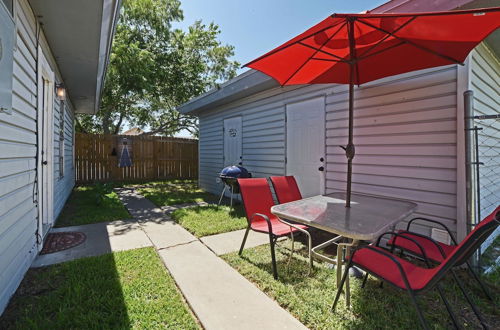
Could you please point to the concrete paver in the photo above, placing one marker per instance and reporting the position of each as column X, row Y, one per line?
column 221, row 297
column 102, row 238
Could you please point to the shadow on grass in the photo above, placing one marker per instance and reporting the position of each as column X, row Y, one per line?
column 309, row 298
column 84, row 294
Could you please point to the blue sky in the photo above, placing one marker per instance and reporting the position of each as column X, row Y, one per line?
column 257, row 26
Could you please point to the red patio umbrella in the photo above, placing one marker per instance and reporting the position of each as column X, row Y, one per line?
column 358, row 48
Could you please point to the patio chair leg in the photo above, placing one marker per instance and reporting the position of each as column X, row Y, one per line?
column 309, row 241
column 469, row 300
column 341, row 285
column 273, row 256
column 244, row 241
column 474, row 274
column 364, row 280
column 419, row 311
column 448, row 307
column 293, row 244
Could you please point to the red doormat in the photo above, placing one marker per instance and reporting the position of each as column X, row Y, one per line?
column 56, row 242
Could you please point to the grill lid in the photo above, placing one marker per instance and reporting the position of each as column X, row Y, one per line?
column 234, row 172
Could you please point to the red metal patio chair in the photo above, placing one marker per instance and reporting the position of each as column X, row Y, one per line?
column 402, row 274
column 258, row 200
column 436, row 251
column 286, row 189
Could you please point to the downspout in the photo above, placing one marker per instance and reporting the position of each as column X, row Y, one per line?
column 469, row 159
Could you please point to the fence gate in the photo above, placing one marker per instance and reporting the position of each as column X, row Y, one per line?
column 101, row 158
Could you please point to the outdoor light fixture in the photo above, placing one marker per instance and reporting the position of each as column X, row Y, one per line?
column 61, row 92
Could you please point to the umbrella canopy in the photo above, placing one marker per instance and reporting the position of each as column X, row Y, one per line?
column 357, row 48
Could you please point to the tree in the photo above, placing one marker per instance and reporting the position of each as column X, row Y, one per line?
column 154, row 68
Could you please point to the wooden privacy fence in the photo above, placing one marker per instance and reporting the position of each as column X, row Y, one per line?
column 97, row 158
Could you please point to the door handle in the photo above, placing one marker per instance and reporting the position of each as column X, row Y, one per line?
column 45, row 162
column 321, row 169
column 240, row 163
column 321, row 159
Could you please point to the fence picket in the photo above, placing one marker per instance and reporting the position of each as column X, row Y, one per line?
column 153, row 157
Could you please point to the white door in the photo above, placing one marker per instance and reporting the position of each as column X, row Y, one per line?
column 232, row 141
column 305, row 145
column 45, row 143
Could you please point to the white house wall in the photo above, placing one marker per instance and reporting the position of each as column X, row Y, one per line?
column 405, row 135
column 18, row 214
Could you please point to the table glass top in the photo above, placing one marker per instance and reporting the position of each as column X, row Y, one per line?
column 366, row 219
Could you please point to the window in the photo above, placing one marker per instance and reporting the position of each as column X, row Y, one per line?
column 8, row 4
column 61, row 139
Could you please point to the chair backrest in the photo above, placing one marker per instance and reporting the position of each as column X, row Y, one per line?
column 469, row 245
column 286, row 189
column 257, row 197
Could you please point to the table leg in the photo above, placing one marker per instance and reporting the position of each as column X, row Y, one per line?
column 340, row 248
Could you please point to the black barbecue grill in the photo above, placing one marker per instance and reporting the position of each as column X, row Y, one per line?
column 229, row 176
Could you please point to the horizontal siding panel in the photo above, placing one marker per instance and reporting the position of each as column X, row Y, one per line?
column 399, row 171
column 8, row 132
column 16, row 150
column 397, row 160
column 397, row 182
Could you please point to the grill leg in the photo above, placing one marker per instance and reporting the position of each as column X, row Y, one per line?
column 222, row 195
column 231, row 196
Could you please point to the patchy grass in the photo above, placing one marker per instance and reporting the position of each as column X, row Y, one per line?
column 489, row 261
column 211, row 219
column 92, row 204
column 122, row 290
column 174, row 192
column 309, row 298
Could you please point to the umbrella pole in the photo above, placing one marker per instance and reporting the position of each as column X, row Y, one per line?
column 349, row 150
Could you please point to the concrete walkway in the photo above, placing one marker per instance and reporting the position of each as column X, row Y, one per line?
column 220, row 297
column 102, row 238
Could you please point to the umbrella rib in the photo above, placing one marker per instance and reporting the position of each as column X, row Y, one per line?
column 387, row 36
column 381, row 51
column 317, row 50
column 327, row 60
column 296, row 42
column 323, row 51
column 414, row 44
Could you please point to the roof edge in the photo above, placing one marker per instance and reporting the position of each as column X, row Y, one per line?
column 243, row 85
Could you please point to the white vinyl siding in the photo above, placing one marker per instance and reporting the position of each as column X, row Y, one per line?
column 405, row 136
column 18, row 214
column 485, row 84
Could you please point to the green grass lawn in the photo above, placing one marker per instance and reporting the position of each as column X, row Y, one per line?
column 309, row 299
column 122, row 290
column 175, row 192
column 92, row 204
column 211, row 219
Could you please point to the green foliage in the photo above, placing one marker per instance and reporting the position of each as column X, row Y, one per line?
column 123, row 290
column 92, row 204
column 210, row 220
column 154, row 68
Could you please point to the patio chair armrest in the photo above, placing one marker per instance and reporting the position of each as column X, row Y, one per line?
column 396, row 235
column 390, row 257
column 263, row 216
column 430, row 239
column 418, row 219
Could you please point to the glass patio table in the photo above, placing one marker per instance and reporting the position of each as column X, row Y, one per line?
column 368, row 217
